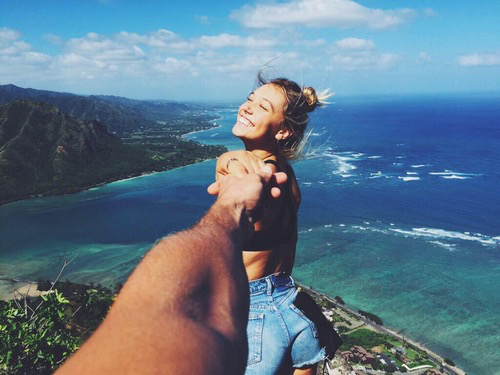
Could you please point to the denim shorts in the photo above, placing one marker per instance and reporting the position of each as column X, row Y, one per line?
column 279, row 335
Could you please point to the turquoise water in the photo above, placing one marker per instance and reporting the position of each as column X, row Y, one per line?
column 399, row 217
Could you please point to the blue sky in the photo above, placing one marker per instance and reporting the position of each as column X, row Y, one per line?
column 193, row 50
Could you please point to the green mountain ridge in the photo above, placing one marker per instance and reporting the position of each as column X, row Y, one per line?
column 46, row 151
column 121, row 116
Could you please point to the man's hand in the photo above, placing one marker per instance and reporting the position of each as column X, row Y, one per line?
column 244, row 192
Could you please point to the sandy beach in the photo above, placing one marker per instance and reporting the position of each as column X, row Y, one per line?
column 10, row 289
column 204, row 130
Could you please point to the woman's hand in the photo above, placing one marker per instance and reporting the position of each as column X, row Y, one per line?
column 238, row 163
column 276, row 179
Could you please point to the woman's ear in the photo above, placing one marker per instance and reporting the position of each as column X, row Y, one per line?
column 283, row 133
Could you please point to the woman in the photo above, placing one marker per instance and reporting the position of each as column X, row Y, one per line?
column 271, row 124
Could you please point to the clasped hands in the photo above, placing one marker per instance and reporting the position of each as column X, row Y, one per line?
column 245, row 179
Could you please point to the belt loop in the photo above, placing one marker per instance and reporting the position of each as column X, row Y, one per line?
column 269, row 285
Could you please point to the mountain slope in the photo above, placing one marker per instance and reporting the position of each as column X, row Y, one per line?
column 45, row 151
column 116, row 117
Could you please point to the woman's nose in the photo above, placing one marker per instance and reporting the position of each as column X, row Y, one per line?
column 247, row 108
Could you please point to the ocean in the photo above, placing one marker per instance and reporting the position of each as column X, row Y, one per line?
column 399, row 217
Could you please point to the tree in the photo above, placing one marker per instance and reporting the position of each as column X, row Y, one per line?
column 449, row 361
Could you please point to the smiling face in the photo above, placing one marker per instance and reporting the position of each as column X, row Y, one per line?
column 259, row 122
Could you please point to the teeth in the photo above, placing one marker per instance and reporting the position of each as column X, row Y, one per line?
column 243, row 121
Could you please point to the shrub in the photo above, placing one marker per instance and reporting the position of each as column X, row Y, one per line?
column 38, row 342
column 37, row 337
column 363, row 337
column 372, row 317
column 449, row 361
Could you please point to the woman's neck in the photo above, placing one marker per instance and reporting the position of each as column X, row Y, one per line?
column 263, row 152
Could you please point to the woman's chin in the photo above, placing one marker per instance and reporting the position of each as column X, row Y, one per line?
column 239, row 131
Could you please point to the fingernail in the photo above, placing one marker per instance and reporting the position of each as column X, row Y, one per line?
column 267, row 169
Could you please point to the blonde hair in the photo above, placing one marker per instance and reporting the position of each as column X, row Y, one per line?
column 300, row 101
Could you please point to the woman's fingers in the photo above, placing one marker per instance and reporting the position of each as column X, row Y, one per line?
column 238, row 163
column 238, row 169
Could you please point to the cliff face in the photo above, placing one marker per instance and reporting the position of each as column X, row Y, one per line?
column 40, row 139
column 44, row 149
column 52, row 143
column 117, row 118
column 120, row 115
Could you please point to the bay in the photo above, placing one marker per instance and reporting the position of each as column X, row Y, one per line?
column 399, row 217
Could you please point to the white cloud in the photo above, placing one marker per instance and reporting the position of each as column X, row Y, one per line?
column 19, row 59
column 320, row 13
column 159, row 57
column 359, row 54
column 314, row 43
column 172, row 65
column 364, row 61
column 229, row 40
column 98, row 63
column 104, row 49
column 10, row 43
column 478, row 59
column 250, row 62
column 7, row 35
column 355, row 43
column 162, row 40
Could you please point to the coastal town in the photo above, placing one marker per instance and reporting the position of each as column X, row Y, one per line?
column 368, row 347
column 371, row 348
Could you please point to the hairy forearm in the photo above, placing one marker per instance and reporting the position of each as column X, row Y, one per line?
column 190, row 286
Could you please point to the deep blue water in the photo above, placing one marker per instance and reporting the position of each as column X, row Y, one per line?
column 400, row 216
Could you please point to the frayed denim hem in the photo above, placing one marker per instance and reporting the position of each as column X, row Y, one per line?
column 316, row 359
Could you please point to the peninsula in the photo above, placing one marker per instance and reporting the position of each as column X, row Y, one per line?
column 56, row 143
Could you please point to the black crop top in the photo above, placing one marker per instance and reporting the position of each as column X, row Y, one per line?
column 278, row 232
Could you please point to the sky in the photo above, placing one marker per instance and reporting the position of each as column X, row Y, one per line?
column 211, row 51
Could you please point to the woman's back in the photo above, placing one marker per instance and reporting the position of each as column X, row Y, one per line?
column 271, row 249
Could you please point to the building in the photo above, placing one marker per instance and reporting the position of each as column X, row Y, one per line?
column 399, row 350
column 434, row 371
column 389, row 364
column 358, row 354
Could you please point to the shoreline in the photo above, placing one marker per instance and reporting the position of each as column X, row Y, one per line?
column 13, row 288
column 101, row 184
column 204, row 130
column 435, row 357
column 118, row 179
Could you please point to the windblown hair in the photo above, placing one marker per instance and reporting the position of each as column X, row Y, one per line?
column 300, row 101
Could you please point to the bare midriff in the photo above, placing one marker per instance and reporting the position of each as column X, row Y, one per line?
column 259, row 264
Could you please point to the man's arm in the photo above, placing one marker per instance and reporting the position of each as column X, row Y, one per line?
column 185, row 308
